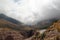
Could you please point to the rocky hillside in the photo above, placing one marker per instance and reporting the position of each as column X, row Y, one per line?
column 7, row 24
column 2, row 16
column 10, row 34
column 10, row 27
column 53, row 32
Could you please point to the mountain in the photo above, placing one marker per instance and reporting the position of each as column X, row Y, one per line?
column 45, row 23
column 2, row 16
column 53, row 32
column 39, row 25
column 7, row 24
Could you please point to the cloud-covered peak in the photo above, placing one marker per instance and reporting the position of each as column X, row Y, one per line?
column 30, row 11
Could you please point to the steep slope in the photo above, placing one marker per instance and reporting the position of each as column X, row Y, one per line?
column 2, row 16
column 10, row 25
column 5, row 23
column 53, row 32
column 45, row 23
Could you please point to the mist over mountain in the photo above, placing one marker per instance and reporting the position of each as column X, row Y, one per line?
column 2, row 16
column 30, row 11
column 45, row 23
column 40, row 25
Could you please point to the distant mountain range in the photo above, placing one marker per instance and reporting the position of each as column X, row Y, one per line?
column 12, row 23
column 2, row 16
column 46, row 23
column 40, row 25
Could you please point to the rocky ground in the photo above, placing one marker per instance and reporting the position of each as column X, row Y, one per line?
column 51, row 33
column 11, row 30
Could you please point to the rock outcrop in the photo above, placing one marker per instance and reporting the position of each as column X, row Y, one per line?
column 53, row 32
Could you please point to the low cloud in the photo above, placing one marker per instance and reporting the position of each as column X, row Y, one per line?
column 30, row 11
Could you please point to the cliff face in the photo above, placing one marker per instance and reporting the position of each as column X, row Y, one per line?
column 53, row 33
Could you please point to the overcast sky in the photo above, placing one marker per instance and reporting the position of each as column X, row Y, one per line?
column 30, row 11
